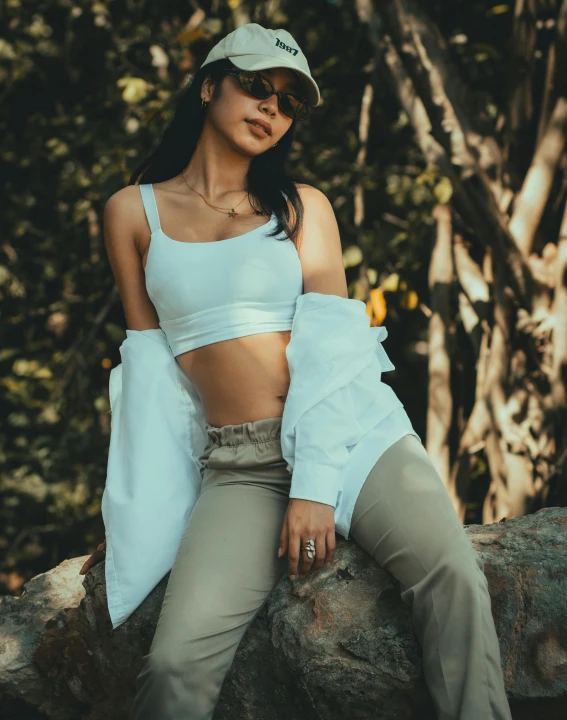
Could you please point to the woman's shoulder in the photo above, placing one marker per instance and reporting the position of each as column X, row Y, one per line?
column 125, row 208
column 313, row 198
column 304, row 187
column 309, row 192
column 124, row 217
column 126, row 197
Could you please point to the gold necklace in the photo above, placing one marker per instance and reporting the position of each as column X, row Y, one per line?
column 231, row 213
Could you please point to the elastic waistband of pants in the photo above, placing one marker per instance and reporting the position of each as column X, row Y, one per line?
column 263, row 430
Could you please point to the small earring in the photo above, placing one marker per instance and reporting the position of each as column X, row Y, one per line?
column 203, row 103
column 274, row 145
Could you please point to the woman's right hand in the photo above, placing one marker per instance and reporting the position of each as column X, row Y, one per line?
column 95, row 558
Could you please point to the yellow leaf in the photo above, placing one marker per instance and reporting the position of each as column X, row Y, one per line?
column 378, row 302
column 135, row 89
column 190, row 36
column 498, row 10
column 101, row 404
column 428, row 176
column 443, row 190
column 212, row 25
column 391, row 283
column 352, row 256
column 43, row 373
column 409, row 300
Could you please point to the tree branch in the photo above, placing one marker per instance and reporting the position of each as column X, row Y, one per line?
column 415, row 54
column 555, row 83
column 559, row 336
column 520, row 102
column 532, row 199
column 440, row 405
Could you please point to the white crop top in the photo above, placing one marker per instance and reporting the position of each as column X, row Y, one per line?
column 205, row 292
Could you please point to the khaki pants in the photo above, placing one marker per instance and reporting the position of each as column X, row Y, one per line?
column 227, row 565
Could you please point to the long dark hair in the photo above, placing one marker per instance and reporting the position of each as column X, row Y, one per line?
column 268, row 180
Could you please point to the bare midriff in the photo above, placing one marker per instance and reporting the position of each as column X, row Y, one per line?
column 240, row 380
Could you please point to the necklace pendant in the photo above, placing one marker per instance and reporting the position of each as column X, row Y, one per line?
column 231, row 213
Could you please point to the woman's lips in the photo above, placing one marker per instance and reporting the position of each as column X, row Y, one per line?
column 260, row 132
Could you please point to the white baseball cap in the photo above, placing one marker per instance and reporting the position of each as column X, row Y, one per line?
column 253, row 47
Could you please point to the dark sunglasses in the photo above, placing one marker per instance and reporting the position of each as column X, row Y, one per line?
column 260, row 87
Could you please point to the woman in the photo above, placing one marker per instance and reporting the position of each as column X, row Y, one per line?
column 221, row 164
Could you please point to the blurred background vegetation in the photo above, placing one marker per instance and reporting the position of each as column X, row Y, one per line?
column 84, row 89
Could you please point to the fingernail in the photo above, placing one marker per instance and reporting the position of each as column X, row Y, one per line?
column 292, row 578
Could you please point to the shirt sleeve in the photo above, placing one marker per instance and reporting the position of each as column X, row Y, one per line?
column 334, row 354
column 322, row 436
column 326, row 432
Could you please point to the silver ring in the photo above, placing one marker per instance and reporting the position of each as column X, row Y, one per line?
column 309, row 548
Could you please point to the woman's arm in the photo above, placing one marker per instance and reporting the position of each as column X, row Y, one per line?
column 124, row 222
column 94, row 559
column 323, row 270
column 320, row 248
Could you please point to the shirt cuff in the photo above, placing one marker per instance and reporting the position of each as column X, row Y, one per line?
column 315, row 481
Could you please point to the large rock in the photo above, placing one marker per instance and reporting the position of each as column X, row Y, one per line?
column 336, row 644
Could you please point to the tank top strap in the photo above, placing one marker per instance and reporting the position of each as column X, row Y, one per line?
column 150, row 206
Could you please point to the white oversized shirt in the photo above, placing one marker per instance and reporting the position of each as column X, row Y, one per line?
column 338, row 419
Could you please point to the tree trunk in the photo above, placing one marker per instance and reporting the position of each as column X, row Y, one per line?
column 514, row 309
column 440, row 405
